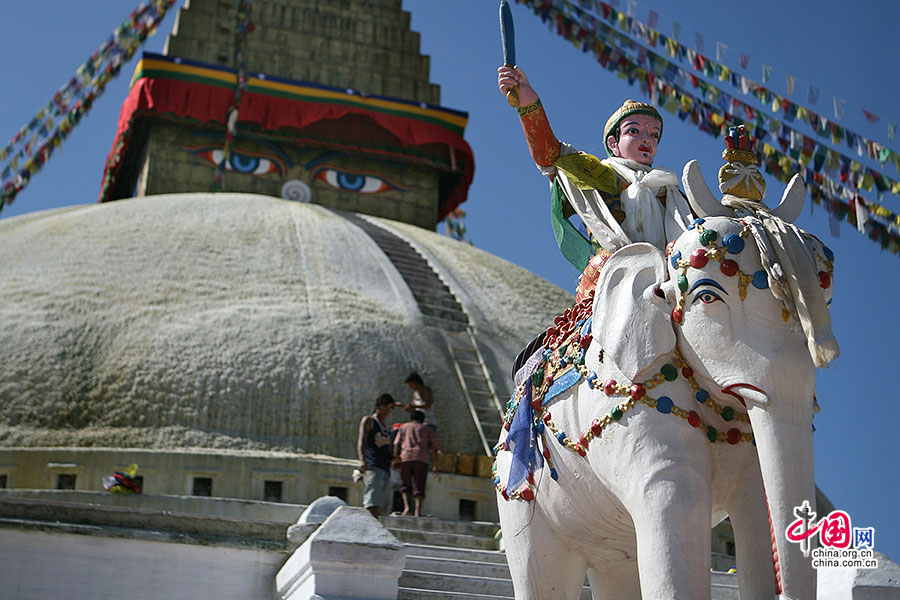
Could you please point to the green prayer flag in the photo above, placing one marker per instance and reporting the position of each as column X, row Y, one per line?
column 574, row 247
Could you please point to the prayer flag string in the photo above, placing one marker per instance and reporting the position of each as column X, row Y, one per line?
column 834, row 180
column 33, row 144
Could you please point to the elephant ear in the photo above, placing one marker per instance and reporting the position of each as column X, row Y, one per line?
column 631, row 318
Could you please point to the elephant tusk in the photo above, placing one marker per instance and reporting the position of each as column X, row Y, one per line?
column 748, row 393
column 792, row 200
column 698, row 194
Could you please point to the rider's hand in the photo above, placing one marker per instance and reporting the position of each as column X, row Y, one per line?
column 510, row 77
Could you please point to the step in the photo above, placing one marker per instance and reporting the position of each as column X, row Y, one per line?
column 488, row 529
column 437, row 538
column 476, row 528
column 466, row 554
column 453, row 566
column 404, row 593
column 469, row 584
column 481, row 588
column 445, row 325
column 725, row 586
column 446, row 302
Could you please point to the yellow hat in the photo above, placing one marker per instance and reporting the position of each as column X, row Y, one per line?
column 630, row 107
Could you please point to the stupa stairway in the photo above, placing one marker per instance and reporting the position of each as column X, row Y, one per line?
column 460, row 560
column 443, row 311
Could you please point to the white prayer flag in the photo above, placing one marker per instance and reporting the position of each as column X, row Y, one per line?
column 839, row 104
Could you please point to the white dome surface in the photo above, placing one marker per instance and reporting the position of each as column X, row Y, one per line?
column 235, row 321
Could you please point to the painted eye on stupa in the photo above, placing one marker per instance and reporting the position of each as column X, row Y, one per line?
column 247, row 162
column 350, row 181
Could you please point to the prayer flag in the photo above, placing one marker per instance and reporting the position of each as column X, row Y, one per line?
column 766, row 73
column 676, row 29
column 721, row 50
column 652, row 19
column 839, row 104
column 812, row 95
column 698, row 41
column 891, row 130
column 790, row 84
column 870, row 118
column 744, row 60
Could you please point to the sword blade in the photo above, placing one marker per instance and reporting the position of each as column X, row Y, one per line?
column 507, row 34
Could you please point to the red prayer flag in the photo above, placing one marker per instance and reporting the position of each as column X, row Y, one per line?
column 870, row 118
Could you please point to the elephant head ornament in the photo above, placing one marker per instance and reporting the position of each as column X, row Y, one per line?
column 693, row 400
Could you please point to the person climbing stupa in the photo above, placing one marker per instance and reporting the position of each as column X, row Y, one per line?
column 620, row 199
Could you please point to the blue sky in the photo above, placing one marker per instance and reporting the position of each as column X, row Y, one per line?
column 847, row 50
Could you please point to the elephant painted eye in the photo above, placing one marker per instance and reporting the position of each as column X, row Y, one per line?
column 348, row 181
column 706, row 297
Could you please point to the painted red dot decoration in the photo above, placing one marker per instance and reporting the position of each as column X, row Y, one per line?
column 687, row 372
column 698, row 258
column 824, row 280
column 638, row 391
column 733, row 436
column 596, row 427
column 729, row 268
column 609, row 387
column 694, row 419
column 527, row 494
column 677, row 315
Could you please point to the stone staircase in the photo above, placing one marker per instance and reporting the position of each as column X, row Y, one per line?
column 442, row 310
column 459, row 560
column 454, row 560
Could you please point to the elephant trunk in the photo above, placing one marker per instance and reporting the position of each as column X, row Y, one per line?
column 783, row 431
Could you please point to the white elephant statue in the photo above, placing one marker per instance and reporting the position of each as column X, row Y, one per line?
column 632, row 437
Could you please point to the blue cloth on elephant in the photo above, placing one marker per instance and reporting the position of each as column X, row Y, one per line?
column 522, row 442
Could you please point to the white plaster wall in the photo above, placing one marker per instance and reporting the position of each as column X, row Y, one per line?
column 36, row 565
column 232, row 321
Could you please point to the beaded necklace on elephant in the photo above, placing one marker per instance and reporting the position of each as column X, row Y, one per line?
column 568, row 342
column 732, row 244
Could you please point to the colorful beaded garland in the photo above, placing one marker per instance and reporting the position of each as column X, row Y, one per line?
column 569, row 352
column 731, row 244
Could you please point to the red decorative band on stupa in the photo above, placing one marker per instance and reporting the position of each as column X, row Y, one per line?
column 301, row 112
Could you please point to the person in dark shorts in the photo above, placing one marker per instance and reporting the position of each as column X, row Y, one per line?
column 373, row 449
column 414, row 445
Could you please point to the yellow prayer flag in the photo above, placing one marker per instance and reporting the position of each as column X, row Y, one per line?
column 868, row 182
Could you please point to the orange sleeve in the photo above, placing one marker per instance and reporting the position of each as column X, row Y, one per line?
column 542, row 144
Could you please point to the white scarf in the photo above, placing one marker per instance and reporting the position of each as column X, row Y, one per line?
column 646, row 220
column 790, row 264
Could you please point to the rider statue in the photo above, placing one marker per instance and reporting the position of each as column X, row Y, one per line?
column 620, row 199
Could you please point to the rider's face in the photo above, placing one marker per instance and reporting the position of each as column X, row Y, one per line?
column 638, row 138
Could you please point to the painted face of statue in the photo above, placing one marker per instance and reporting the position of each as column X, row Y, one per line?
column 638, row 138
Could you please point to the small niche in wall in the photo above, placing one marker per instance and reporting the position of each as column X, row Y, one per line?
column 338, row 491
column 202, row 486
column 65, row 481
column 272, row 491
column 466, row 509
column 4, row 480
